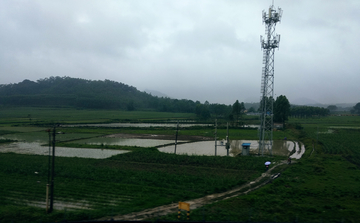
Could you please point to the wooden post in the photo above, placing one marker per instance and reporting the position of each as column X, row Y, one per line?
column 176, row 135
column 52, row 173
column 215, row 135
column 47, row 198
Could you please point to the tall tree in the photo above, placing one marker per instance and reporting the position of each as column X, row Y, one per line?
column 357, row 108
column 281, row 109
column 238, row 110
column 332, row 107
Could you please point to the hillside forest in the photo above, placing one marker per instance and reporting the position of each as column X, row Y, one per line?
column 107, row 94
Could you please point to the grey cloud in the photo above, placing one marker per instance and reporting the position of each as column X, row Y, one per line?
column 199, row 50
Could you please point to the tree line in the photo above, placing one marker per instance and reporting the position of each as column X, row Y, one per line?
column 88, row 94
column 107, row 94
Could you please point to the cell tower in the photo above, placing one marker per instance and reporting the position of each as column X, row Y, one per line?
column 268, row 44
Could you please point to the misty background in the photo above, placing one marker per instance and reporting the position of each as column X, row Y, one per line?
column 199, row 50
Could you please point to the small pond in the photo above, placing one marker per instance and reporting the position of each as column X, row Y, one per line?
column 37, row 149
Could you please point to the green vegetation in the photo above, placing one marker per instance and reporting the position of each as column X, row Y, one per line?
column 320, row 187
column 281, row 109
column 316, row 189
column 122, row 184
column 47, row 116
column 67, row 92
column 308, row 111
column 356, row 109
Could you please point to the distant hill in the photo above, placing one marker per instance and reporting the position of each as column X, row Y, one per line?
column 88, row 94
column 80, row 93
column 72, row 92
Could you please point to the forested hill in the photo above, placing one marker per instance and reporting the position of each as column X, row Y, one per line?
column 80, row 93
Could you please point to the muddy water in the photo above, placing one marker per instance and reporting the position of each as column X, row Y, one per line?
column 299, row 151
column 139, row 125
column 280, row 147
column 126, row 142
column 37, row 149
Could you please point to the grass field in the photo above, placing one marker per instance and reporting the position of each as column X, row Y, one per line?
column 321, row 187
column 48, row 116
column 125, row 183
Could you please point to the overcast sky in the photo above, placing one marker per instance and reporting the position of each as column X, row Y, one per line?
column 187, row 49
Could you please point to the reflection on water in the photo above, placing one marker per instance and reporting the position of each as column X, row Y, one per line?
column 37, row 149
column 126, row 142
column 280, row 147
column 140, row 125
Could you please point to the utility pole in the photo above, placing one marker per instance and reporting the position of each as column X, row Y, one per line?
column 227, row 139
column 48, row 181
column 176, row 135
column 52, row 173
column 215, row 135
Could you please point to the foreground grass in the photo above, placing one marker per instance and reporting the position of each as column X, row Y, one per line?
column 321, row 187
column 125, row 183
column 318, row 189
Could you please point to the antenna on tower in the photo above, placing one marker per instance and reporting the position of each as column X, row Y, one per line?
column 269, row 43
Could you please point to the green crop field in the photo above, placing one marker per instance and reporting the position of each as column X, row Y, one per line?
column 122, row 184
column 320, row 187
column 46, row 116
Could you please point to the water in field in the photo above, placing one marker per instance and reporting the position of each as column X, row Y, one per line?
column 37, row 149
column 140, row 125
column 126, row 142
column 280, row 147
column 299, row 151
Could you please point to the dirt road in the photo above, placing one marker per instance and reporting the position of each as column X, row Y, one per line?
column 199, row 202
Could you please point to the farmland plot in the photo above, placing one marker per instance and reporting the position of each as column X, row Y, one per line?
column 121, row 184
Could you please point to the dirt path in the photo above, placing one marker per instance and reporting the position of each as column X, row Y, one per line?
column 199, row 202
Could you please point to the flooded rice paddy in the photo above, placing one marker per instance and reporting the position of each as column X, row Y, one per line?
column 125, row 142
column 207, row 148
column 140, row 125
column 35, row 148
column 280, row 147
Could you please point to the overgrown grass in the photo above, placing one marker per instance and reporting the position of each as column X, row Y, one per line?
column 122, row 184
column 321, row 187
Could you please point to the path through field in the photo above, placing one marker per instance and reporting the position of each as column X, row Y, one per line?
column 199, row 202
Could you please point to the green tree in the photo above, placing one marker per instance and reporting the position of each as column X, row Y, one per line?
column 332, row 108
column 281, row 109
column 357, row 108
column 202, row 111
column 251, row 109
column 237, row 110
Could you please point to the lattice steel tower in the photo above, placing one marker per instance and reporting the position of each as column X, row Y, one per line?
column 268, row 44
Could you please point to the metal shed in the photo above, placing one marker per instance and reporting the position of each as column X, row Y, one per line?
column 245, row 149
